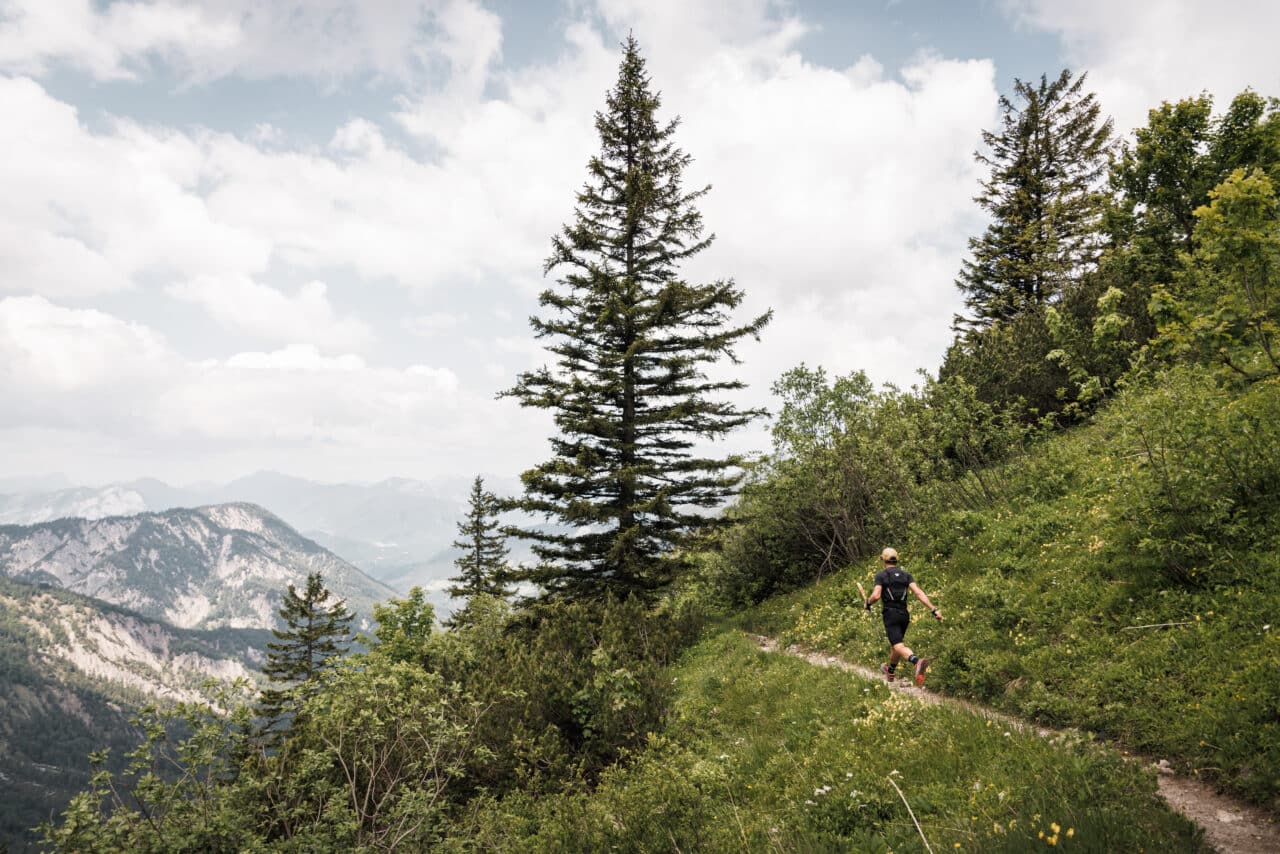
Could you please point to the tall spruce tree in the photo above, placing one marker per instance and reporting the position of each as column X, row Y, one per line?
column 314, row 637
column 632, row 341
column 482, row 567
column 1046, row 161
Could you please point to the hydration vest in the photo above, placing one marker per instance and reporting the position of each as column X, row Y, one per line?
column 897, row 583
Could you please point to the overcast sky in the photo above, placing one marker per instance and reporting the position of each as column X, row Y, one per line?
column 306, row 235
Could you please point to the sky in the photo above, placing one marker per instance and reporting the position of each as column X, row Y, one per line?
column 307, row 235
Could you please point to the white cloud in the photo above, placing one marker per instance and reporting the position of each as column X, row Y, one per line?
column 46, row 349
column 837, row 192
column 1139, row 54
column 432, row 323
column 238, row 302
column 116, row 382
column 209, row 39
column 842, row 199
column 84, row 213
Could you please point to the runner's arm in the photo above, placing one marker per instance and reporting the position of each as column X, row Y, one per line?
column 875, row 596
column 915, row 588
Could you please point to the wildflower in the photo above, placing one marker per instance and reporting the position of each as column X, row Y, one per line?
column 1053, row 825
column 1071, row 831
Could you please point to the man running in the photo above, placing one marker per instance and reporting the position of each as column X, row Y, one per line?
column 893, row 583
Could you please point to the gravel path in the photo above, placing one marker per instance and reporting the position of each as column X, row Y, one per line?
column 1230, row 826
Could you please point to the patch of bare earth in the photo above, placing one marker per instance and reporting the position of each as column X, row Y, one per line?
column 1230, row 826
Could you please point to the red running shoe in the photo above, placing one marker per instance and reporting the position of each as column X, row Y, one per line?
column 921, row 666
column 888, row 674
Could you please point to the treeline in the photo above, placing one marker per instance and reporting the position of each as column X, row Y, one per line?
column 1147, row 263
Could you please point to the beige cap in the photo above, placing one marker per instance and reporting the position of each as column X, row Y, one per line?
column 889, row 556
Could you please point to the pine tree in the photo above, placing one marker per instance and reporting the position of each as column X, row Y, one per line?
column 632, row 341
column 314, row 638
column 1046, row 164
column 482, row 568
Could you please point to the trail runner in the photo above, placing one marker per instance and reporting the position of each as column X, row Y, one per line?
column 892, row 584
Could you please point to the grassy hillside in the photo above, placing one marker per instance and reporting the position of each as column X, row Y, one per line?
column 1164, row 511
column 763, row 752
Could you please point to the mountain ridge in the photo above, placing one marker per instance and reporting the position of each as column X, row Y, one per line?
column 218, row 565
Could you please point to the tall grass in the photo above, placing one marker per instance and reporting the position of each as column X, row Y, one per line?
column 768, row 753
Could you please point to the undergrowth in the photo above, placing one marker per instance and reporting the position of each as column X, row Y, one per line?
column 1126, row 582
column 768, row 753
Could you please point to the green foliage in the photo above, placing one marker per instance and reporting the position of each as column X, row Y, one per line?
column 1009, row 364
column 149, row 808
column 767, row 753
column 1045, row 163
column 851, row 468
column 386, row 749
column 632, row 342
column 313, row 639
column 1204, row 471
column 1125, row 582
column 482, row 567
column 405, row 627
column 1226, row 307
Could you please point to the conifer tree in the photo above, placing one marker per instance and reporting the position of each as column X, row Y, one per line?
column 632, row 341
column 482, row 567
column 314, row 638
column 1046, row 163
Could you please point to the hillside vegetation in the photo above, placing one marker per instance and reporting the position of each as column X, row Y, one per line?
column 73, row 671
column 767, row 753
column 1123, row 578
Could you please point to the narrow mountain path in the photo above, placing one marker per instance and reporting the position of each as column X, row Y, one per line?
column 1230, row 826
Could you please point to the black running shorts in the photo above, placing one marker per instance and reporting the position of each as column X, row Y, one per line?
column 895, row 625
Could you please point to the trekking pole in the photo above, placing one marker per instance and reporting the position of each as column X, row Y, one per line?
column 864, row 595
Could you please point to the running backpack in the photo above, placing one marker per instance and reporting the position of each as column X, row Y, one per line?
column 901, row 598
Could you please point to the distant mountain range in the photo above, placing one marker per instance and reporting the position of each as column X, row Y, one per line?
column 73, row 672
column 223, row 565
column 398, row 531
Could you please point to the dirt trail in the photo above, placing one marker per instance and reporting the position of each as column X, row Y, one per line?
column 1230, row 826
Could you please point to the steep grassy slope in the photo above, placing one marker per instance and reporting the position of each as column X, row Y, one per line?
column 1056, row 594
column 767, row 753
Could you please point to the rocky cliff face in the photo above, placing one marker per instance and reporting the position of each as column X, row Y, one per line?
column 224, row 565
column 73, row 672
